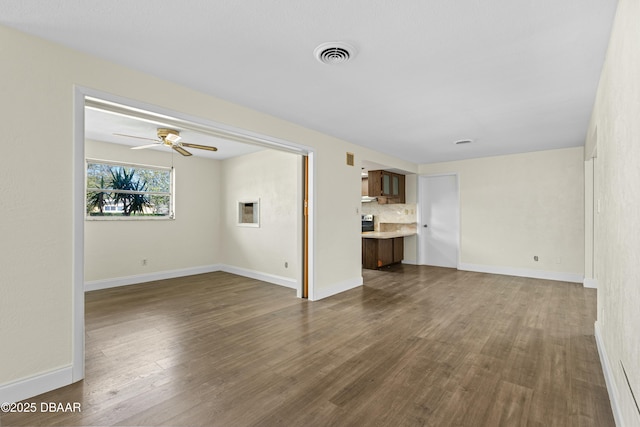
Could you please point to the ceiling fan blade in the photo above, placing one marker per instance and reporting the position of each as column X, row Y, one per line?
column 181, row 150
column 138, row 137
column 141, row 147
column 200, row 147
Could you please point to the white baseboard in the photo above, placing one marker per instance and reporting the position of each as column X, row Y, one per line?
column 265, row 277
column 94, row 285
column 28, row 387
column 590, row 283
column 410, row 261
column 170, row 274
column 336, row 288
column 522, row 272
column 608, row 377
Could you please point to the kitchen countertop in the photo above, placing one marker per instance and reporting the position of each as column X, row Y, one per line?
column 387, row 234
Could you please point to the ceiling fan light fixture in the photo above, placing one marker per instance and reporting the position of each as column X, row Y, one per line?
column 173, row 138
column 166, row 134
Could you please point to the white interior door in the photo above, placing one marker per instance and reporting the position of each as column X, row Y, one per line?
column 439, row 228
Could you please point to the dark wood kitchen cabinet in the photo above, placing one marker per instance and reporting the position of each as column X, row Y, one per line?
column 365, row 186
column 378, row 253
column 398, row 249
column 389, row 187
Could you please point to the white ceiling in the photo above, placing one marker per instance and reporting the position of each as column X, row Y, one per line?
column 514, row 76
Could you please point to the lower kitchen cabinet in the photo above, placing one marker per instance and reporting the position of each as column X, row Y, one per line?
column 378, row 253
column 398, row 249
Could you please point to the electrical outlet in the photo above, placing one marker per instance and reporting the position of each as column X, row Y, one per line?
column 144, row 261
column 286, row 264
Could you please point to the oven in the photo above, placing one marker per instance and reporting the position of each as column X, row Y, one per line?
column 367, row 223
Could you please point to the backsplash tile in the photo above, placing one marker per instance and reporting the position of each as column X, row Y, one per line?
column 393, row 213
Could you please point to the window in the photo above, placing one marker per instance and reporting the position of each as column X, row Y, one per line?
column 128, row 191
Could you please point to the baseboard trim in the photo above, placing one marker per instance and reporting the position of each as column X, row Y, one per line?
column 95, row 285
column 522, row 272
column 265, row 277
column 410, row 261
column 32, row 386
column 171, row 274
column 608, row 376
column 336, row 288
column 590, row 283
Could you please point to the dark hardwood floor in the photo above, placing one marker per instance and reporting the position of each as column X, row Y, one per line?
column 416, row 346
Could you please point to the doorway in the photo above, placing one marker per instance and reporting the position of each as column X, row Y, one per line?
column 592, row 209
column 123, row 106
column 439, row 231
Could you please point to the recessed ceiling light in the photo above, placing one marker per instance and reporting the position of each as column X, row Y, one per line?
column 463, row 141
column 333, row 53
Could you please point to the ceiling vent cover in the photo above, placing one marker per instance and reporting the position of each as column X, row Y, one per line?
column 334, row 53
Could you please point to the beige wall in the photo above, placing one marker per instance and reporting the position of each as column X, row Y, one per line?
column 615, row 130
column 274, row 178
column 517, row 206
column 115, row 249
column 36, row 265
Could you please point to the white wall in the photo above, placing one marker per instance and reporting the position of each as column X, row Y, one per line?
column 518, row 206
column 615, row 130
column 37, row 265
column 273, row 177
column 115, row 249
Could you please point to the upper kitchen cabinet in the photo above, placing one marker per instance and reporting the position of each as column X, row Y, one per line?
column 365, row 185
column 389, row 187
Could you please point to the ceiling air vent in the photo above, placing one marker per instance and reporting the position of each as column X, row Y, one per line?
column 463, row 141
column 334, row 53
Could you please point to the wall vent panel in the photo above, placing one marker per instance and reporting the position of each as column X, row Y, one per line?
column 350, row 159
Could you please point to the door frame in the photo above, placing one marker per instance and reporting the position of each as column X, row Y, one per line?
column 421, row 235
column 591, row 197
column 78, row 176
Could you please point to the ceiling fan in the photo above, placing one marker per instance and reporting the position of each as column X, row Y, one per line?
column 170, row 138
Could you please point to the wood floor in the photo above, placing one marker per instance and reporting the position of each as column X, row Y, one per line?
column 416, row 346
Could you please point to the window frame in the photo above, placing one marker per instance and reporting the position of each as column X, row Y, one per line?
column 171, row 193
